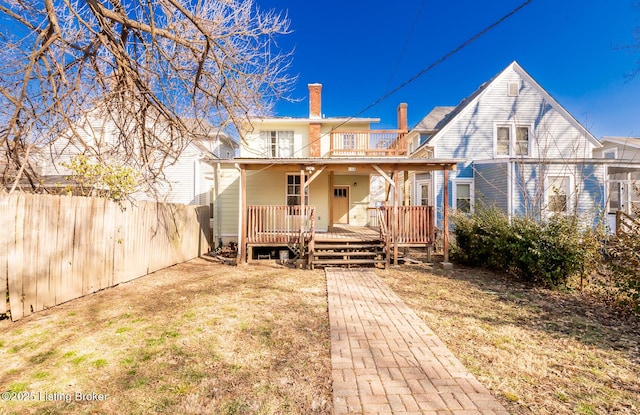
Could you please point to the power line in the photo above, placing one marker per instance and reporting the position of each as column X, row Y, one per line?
column 439, row 61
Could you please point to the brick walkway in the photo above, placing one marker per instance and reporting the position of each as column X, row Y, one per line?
column 385, row 360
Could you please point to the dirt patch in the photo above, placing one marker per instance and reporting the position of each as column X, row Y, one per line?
column 196, row 338
column 539, row 351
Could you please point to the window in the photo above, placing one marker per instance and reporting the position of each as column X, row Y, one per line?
column 513, row 89
column 349, row 141
column 611, row 154
column 463, row 196
column 503, row 141
column 340, row 192
column 425, row 198
column 522, row 141
column 507, row 146
column 293, row 190
column 614, row 196
column 278, row 143
column 558, row 194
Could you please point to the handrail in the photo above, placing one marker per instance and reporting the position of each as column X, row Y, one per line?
column 626, row 224
column 416, row 223
column 280, row 224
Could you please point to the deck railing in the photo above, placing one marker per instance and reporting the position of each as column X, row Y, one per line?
column 368, row 143
column 415, row 224
column 280, row 224
column 626, row 224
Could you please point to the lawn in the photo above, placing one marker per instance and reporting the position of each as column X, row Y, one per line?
column 205, row 338
column 196, row 338
column 539, row 351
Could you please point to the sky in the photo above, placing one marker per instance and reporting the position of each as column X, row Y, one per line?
column 362, row 50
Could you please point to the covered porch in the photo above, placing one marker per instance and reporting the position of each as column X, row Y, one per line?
column 389, row 227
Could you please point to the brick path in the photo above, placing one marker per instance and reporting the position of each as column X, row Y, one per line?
column 385, row 360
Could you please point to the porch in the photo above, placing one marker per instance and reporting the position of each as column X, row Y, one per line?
column 273, row 228
column 315, row 185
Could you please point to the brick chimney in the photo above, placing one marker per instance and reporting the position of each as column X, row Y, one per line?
column 402, row 117
column 315, row 112
column 315, row 100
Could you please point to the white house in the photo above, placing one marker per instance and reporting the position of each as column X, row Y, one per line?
column 523, row 151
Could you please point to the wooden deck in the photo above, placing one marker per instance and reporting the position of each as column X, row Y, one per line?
column 346, row 233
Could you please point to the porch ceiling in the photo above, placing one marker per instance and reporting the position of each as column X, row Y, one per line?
column 350, row 165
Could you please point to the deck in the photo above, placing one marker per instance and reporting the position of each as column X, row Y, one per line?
column 347, row 233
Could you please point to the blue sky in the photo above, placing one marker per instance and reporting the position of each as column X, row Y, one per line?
column 360, row 50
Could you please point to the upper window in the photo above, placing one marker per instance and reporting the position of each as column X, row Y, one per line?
column 512, row 140
column 611, row 154
column 278, row 143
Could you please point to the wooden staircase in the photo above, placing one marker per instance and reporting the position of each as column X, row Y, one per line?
column 347, row 254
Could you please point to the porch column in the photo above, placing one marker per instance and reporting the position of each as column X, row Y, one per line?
column 242, row 236
column 396, row 196
column 445, row 220
column 331, row 182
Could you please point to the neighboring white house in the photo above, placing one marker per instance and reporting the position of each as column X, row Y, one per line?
column 186, row 179
column 622, row 156
column 523, row 151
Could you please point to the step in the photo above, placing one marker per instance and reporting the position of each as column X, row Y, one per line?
column 319, row 246
column 345, row 254
column 347, row 261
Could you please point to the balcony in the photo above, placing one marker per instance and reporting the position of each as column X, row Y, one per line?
column 368, row 143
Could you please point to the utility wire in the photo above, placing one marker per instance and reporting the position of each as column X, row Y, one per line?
column 428, row 68
column 434, row 64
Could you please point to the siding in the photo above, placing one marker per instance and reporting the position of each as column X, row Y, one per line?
column 471, row 134
column 227, row 202
column 491, row 184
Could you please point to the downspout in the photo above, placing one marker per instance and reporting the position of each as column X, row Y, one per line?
column 216, row 185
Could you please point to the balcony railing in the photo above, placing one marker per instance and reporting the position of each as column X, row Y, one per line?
column 368, row 143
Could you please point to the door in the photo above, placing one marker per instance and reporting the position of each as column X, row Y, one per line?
column 340, row 204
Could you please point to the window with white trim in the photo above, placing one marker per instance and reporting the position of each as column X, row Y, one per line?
column 512, row 140
column 294, row 191
column 610, row 154
column 278, row 143
column 558, row 194
column 463, row 197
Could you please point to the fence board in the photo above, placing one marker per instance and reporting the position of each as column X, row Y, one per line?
column 8, row 225
column 66, row 228
column 15, row 261
column 30, row 242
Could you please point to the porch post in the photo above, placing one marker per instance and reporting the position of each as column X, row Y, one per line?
column 445, row 220
column 331, row 182
column 241, row 256
column 396, row 196
column 303, row 186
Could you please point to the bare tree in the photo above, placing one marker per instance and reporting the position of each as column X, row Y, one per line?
column 141, row 66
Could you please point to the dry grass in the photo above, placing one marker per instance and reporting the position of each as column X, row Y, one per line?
column 197, row 338
column 540, row 352
column 202, row 338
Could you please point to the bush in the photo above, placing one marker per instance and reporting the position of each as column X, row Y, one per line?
column 546, row 252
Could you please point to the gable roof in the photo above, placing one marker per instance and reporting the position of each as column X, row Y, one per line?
column 435, row 119
column 633, row 142
column 478, row 93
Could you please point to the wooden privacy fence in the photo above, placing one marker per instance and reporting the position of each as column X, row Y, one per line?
column 57, row 248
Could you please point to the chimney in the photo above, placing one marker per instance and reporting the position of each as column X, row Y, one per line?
column 315, row 100
column 402, row 117
column 315, row 113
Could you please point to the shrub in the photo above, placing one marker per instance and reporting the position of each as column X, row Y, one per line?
column 544, row 252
